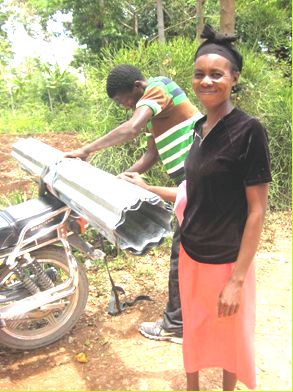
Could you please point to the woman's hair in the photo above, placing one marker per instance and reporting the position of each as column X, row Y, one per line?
column 121, row 79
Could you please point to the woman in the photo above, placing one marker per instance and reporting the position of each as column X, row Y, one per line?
column 227, row 175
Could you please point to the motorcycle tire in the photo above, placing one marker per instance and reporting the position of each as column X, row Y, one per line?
column 40, row 328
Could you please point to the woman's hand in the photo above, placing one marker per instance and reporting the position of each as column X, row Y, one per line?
column 230, row 299
column 133, row 178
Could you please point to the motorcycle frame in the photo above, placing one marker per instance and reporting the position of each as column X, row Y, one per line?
column 53, row 294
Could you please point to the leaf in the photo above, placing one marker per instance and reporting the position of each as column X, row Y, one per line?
column 81, row 358
column 87, row 342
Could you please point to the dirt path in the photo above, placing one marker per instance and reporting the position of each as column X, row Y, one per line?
column 119, row 358
column 11, row 178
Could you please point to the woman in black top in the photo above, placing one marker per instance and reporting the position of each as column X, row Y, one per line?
column 227, row 175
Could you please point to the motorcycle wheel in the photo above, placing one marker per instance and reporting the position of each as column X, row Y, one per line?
column 42, row 327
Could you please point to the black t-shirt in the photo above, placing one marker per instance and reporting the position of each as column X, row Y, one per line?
column 232, row 156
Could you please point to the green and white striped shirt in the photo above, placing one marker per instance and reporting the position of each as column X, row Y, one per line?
column 172, row 123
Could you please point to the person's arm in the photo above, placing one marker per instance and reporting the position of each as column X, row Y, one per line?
column 123, row 133
column 230, row 297
column 166, row 193
column 148, row 160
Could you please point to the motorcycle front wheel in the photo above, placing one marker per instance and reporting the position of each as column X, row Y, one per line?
column 51, row 322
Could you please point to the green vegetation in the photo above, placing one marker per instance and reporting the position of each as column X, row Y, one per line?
column 17, row 197
column 38, row 97
column 51, row 101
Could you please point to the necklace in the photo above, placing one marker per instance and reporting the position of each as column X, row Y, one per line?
column 203, row 138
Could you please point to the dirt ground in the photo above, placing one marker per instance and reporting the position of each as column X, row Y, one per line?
column 119, row 358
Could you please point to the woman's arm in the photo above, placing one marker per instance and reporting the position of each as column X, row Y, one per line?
column 230, row 297
column 166, row 193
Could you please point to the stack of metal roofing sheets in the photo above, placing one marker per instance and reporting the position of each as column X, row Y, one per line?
column 130, row 217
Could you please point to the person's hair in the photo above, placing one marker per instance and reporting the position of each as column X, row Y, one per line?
column 121, row 79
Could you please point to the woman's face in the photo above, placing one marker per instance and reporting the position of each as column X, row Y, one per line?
column 213, row 80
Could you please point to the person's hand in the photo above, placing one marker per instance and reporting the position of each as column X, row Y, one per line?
column 133, row 178
column 229, row 299
column 79, row 153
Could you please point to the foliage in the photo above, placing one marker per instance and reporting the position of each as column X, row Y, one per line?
column 211, row 11
column 16, row 197
column 266, row 95
column 86, row 108
column 4, row 16
column 265, row 25
column 97, row 24
column 38, row 97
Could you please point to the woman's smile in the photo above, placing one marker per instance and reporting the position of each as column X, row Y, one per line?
column 213, row 80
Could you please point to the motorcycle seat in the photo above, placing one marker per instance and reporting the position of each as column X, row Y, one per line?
column 15, row 218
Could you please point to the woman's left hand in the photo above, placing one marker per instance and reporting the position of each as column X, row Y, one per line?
column 230, row 299
column 133, row 178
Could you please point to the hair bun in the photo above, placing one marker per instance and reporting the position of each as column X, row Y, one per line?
column 213, row 36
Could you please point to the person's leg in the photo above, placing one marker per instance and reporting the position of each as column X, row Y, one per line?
column 192, row 381
column 229, row 381
column 172, row 321
column 171, row 327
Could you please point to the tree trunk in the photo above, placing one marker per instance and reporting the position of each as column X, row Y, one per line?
column 160, row 17
column 50, row 100
column 9, row 91
column 227, row 19
column 135, row 24
column 12, row 101
column 199, row 17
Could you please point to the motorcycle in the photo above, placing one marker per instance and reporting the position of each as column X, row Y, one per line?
column 43, row 288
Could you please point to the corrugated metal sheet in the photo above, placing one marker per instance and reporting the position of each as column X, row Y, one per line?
column 130, row 217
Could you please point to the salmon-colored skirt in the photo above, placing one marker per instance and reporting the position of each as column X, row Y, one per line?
column 209, row 341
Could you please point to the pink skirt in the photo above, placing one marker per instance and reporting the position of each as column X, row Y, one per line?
column 209, row 341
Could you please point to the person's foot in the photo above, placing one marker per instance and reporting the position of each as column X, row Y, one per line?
column 155, row 331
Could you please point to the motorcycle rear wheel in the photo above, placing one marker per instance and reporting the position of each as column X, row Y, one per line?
column 40, row 327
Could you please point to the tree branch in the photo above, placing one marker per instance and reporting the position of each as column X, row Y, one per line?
column 172, row 27
column 126, row 25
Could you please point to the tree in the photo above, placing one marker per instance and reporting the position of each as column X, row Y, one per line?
column 199, row 16
column 160, row 17
column 94, row 23
column 264, row 24
column 56, row 85
column 102, row 22
column 227, row 19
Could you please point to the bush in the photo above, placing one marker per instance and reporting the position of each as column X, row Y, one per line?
column 265, row 94
column 265, row 25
